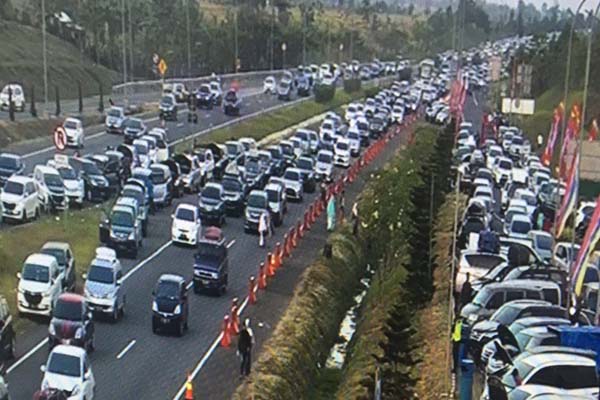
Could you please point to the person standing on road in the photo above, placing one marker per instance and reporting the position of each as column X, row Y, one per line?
column 466, row 292
column 331, row 211
column 342, row 206
column 323, row 193
column 263, row 228
column 245, row 343
column 456, row 338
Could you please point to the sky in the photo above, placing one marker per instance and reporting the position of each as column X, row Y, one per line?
column 562, row 3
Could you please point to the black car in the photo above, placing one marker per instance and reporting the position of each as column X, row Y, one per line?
column 134, row 129
column 111, row 169
column 168, row 108
column 212, row 204
column 302, row 86
column 71, row 323
column 204, row 97
column 170, row 306
column 7, row 333
column 278, row 160
column 96, row 186
column 232, row 103
column 10, row 164
column 307, row 166
column 234, row 195
column 255, row 176
column 211, row 267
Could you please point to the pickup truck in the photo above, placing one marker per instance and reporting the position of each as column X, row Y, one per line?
column 211, row 263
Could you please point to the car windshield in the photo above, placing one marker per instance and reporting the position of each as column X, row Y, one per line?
column 14, row 188
column 67, row 173
column 121, row 218
column 291, row 175
column 505, row 315
column 134, row 123
column 517, row 140
column 341, row 146
column 482, row 297
column 275, row 153
column 304, row 164
column 327, row 126
column 287, row 149
column 167, row 100
column 64, row 364
column 167, row 290
column 231, row 185
column 531, row 200
column 59, row 254
column 231, row 96
column 252, row 167
column 70, row 124
column 214, row 86
column 69, row 310
column 284, row 85
column 273, row 195
column 204, row 89
column 114, row 113
column 90, row 168
column 504, row 164
column 158, row 177
column 11, row 163
column 523, row 338
column 353, row 135
column 100, row 274
column 53, row 180
column 36, row 273
column 324, row 158
column 520, row 227
column 544, row 242
column 185, row 214
column 141, row 149
column 257, row 201
column 232, row 149
column 495, row 152
column 211, row 192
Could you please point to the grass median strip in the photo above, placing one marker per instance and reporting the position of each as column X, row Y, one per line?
column 78, row 228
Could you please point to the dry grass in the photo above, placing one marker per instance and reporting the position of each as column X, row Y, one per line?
column 433, row 320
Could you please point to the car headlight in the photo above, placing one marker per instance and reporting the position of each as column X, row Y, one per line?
column 45, row 385
column 177, row 309
column 79, row 333
column 86, row 292
column 154, row 306
column 19, row 206
column 131, row 236
column 248, row 216
column 51, row 330
column 472, row 318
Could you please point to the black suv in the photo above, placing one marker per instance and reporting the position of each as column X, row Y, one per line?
column 71, row 323
column 232, row 103
column 97, row 186
column 170, row 306
column 307, row 166
column 212, row 205
column 234, row 194
column 204, row 97
column 7, row 333
column 211, row 266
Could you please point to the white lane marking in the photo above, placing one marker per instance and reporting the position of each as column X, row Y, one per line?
column 230, row 243
column 189, row 285
column 26, row 356
column 125, row 277
column 126, row 349
column 475, row 100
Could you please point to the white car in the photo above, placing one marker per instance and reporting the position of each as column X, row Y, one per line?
column 18, row 97
column 69, row 369
column 142, row 150
column 20, row 199
column 249, row 144
column 519, row 227
column 342, row 153
column 493, row 152
column 186, row 227
column 324, row 165
column 502, row 169
column 327, row 130
column 40, row 284
column 350, row 112
column 353, row 137
column 398, row 114
column 529, row 198
column 292, row 179
column 74, row 131
column 51, row 188
column 270, row 85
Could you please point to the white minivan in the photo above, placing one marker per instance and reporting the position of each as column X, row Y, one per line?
column 20, row 199
column 40, row 284
column 51, row 188
column 342, row 153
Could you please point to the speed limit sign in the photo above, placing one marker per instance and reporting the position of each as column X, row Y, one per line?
column 60, row 138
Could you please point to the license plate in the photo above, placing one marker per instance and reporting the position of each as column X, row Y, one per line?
column 205, row 282
column 165, row 320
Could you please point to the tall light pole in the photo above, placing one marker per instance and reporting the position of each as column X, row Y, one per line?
column 189, row 39
column 236, row 37
column 123, row 34
column 304, row 37
column 272, row 42
column 283, row 49
column 44, row 57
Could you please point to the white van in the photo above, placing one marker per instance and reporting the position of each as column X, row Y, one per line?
column 17, row 97
column 20, row 199
column 40, row 284
column 51, row 188
column 342, row 153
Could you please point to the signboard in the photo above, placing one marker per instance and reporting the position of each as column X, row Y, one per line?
column 495, row 68
column 518, row 106
column 61, row 160
column 162, row 67
column 524, row 73
column 60, row 138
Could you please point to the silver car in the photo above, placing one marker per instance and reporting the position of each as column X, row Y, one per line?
column 103, row 290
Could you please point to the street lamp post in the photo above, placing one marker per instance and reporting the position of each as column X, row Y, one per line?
column 235, row 65
column 283, row 49
column 44, row 57
column 123, row 37
column 341, row 53
column 189, row 39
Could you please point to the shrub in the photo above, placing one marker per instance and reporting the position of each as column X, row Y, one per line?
column 352, row 85
column 324, row 93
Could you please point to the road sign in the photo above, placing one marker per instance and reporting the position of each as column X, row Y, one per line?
column 162, row 67
column 518, row 106
column 60, row 138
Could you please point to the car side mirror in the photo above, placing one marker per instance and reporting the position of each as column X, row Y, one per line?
column 84, row 276
column 43, row 368
column 89, row 315
column 87, row 375
column 19, row 276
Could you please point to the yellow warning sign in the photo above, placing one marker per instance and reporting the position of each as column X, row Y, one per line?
column 162, row 67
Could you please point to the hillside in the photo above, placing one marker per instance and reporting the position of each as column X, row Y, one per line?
column 21, row 61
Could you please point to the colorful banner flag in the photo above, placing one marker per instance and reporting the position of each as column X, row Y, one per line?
column 592, row 235
column 593, row 132
column 567, row 204
column 569, row 144
column 554, row 127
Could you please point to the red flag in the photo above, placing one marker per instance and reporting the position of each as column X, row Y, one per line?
column 549, row 150
column 593, row 132
column 570, row 135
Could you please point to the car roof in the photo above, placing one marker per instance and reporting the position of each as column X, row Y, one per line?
column 214, row 185
column 71, row 298
column 273, row 186
column 56, row 245
column 41, row 259
column 522, row 284
column 122, row 207
column 69, row 350
column 297, row 170
column 71, row 119
column 171, row 278
column 20, row 179
column 525, row 303
column 553, row 358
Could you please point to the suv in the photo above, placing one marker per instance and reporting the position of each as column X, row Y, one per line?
column 122, row 230
column 40, row 284
column 211, row 263
column 51, row 188
column 20, row 199
column 234, row 195
column 294, row 186
column 103, row 290
column 168, row 108
column 170, row 306
column 211, row 205
column 277, row 202
column 135, row 128
column 10, row 164
column 7, row 333
column 115, row 120
column 232, row 103
column 306, row 165
column 66, row 262
column 257, row 204
column 71, row 323
column 205, row 97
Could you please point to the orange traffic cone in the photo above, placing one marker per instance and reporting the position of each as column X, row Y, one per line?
column 234, row 318
column 189, row 388
column 252, row 290
column 277, row 256
column 226, row 336
column 286, row 246
column 299, row 229
column 294, row 238
column 262, row 276
column 269, row 263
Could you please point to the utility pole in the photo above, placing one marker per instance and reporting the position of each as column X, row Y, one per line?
column 235, row 62
column 189, row 43
column 272, row 40
column 123, row 34
column 44, row 57
column 328, row 43
column 304, row 37
column 130, row 40
column 351, row 45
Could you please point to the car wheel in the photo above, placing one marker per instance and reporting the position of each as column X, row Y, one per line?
column 91, row 346
column 180, row 329
column 115, row 314
column 154, row 327
column 144, row 230
column 12, row 350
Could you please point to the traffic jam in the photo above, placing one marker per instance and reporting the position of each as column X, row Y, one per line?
column 189, row 207
column 517, row 329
